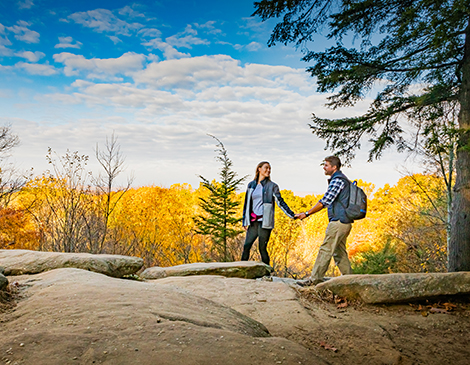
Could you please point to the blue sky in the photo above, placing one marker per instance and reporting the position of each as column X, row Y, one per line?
column 162, row 75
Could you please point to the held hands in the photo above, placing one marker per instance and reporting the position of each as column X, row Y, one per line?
column 300, row 216
column 317, row 207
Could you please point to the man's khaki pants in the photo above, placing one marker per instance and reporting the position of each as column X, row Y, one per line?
column 334, row 245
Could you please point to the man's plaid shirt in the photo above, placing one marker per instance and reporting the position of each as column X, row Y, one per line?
column 334, row 188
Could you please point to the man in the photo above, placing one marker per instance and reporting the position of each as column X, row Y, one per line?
column 336, row 199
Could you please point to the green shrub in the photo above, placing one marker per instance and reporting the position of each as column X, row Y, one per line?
column 383, row 261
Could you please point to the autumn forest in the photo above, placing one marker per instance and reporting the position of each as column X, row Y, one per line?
column 67, row 209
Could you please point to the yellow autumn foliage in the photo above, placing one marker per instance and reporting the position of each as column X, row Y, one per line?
column 157, row 224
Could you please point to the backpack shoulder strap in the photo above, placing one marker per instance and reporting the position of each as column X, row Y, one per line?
column 347, row 181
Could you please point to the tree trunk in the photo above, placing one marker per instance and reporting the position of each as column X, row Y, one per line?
column 449, row 195
column 459, row 245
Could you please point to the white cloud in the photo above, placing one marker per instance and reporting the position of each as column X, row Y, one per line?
column 179, row 84
column 114, row 39
column 25, row 4
column 254, row 25
column 4, row 42
column 260, row 112
column 5, row 68
column 150, row 32
column 209, row 24
column 4, row 51
column 23, row 33
column 186, row 39
column 100, row 68
column 164, row 156
column 208, row 27
column 207, row 71
column 68, row 42
column 235, row 46
column 204, row 87
column 152, row 57
column 254, row 46
column 103, row 20
column 189, row 72
column 30, row 56
column 125, row 96
column 128, row 11
column 169, row 52
column 37, row 69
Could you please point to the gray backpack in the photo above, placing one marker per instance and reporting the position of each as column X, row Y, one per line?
column 357, row 207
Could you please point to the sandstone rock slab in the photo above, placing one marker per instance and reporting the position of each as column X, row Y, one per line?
column 270, row 303
column 21, row 262
column 396, row 288
column 74, row 316
column 239, row 269
column 277, row 306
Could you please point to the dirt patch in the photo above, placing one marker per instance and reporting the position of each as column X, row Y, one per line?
column 428, row 332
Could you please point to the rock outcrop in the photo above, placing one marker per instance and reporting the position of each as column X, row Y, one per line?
column 395, row 288
column 274, row 304
column 74, row 316
column 239, row 269
column 70, row 314
column 21, row 262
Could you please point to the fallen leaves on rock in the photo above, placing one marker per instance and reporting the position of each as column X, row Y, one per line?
column 328, row 347
column 449, row 306
column 342, row 302
column 342, row 305
column 442, row 308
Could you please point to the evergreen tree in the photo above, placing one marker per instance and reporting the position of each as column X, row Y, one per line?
column 220, row 221
column 415, row 52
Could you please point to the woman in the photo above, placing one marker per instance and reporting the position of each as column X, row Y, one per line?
column 258, row 211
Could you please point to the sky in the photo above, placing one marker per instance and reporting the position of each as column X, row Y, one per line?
column 162, row 76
